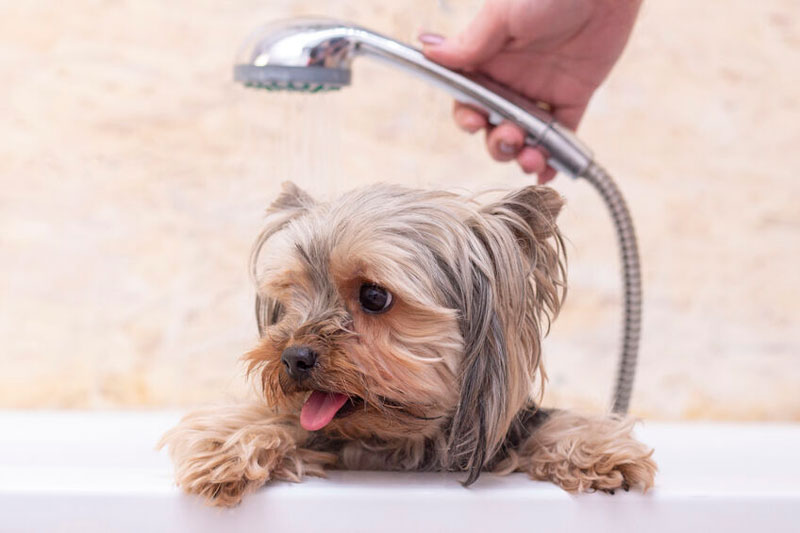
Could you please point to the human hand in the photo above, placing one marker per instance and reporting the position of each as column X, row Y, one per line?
column 555, row 52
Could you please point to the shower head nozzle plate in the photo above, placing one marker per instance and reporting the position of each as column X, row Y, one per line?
column 310, row 79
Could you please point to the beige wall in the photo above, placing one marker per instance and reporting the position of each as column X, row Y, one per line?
column 133, row 175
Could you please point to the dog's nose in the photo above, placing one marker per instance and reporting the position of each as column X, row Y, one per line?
column 299, row 360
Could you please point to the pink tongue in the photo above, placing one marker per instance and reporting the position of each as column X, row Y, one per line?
column 320, row 408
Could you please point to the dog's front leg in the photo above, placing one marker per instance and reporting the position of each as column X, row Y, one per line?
column 582, row 453
column 223, row 453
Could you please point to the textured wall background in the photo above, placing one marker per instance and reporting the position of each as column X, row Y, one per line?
column 134, row 173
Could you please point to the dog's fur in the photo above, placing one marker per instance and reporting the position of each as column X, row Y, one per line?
column 446, row 379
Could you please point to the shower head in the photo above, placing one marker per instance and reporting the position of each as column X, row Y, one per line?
column 305, row 55
column 314, row 55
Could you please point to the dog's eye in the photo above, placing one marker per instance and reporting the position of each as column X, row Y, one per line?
column 374, row 298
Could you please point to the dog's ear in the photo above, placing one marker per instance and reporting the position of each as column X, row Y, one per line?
column 290, row 204
column 535, row 206
column 530, row 214
column 515, row 279
column 291, row 198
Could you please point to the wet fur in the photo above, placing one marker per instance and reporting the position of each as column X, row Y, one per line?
column 447, row 379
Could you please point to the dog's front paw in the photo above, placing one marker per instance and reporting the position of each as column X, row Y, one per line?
column 224, row 453
column 584, row 454
column 613, row 473
column 604, row 472
column 222, row 475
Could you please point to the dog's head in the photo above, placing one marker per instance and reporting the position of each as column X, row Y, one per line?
column 393, row 313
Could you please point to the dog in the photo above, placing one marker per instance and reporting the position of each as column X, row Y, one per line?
column 401, row 329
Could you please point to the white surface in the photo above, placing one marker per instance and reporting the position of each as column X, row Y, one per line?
column 76, row 471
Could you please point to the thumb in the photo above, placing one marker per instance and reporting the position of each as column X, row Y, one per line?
column 483, row 39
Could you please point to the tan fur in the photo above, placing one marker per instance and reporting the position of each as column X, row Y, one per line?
column 443, row 380
column 580, row 453
column 223, row 453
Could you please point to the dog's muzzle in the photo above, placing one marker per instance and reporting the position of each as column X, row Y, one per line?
column 299, row 361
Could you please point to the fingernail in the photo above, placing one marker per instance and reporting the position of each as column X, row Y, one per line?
column 507, row 148
column 431, row 39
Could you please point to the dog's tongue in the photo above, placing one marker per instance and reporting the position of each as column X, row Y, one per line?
column 320, row 408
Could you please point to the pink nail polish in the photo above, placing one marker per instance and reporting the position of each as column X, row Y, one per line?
column 506, row 148
column 431, row 39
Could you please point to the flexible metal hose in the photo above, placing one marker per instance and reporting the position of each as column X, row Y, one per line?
column 631, row 278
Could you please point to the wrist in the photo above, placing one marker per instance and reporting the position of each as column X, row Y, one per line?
column 618, row 16
column 621, row 9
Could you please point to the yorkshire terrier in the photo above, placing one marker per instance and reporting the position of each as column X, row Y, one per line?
column 401, row 330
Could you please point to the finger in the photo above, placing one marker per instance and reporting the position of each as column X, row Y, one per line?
column 548, row 174
column 483, row 38
column 468, row 119
column 569, row 117
column 505, row 141
column 531, row 160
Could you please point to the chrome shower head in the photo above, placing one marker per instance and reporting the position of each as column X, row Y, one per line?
column 313, row 55
column 306, row 55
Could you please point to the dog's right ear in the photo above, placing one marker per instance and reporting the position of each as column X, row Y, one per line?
column 291, row 203
column 291, row 198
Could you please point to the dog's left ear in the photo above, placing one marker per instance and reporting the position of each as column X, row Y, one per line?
column 516, row 276
column 531, row 211
column 530, row 215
